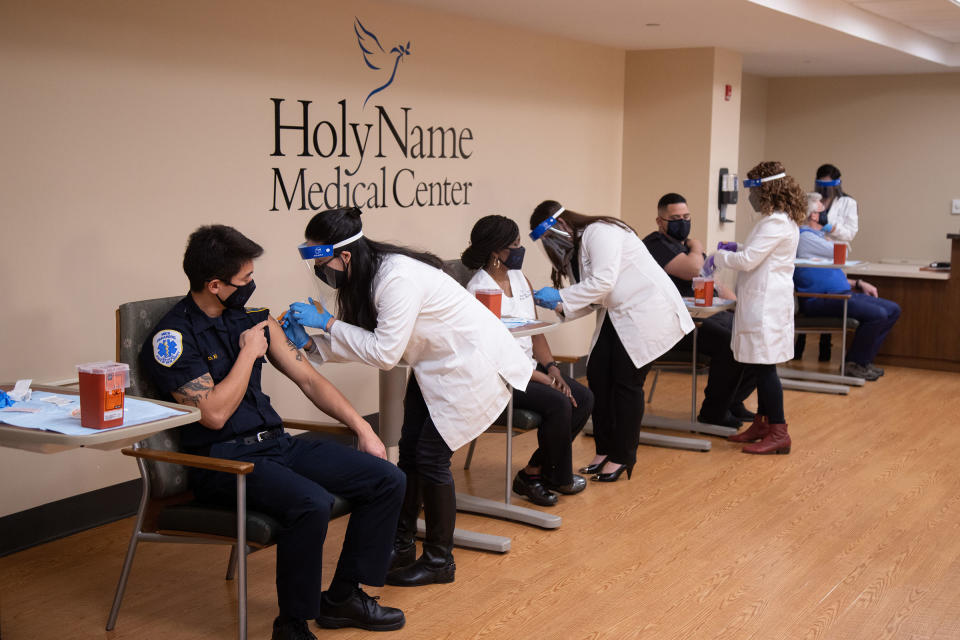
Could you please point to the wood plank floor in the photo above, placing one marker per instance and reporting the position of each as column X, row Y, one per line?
column 855, row 534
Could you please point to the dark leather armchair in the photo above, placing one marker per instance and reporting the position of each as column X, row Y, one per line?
column 168, row 511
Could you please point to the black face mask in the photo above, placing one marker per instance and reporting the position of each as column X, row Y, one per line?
column 331, row 277
column 822, row 219
column 515, row 259
column 678, row 229
column 238, row 298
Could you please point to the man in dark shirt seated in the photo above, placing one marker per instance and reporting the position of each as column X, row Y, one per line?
column 208, row 352
column 682, row 258
column 875, row 314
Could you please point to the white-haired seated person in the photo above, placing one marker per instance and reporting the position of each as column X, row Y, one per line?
column 876, row 315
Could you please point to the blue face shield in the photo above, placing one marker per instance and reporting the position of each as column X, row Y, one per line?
column 311, row 252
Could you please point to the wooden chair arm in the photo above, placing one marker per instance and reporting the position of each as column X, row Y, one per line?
column 331, row 428
column 825, row 296
column 236, row 467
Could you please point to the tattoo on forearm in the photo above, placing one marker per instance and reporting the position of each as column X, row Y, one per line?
column 195, row 391
column 296, row 351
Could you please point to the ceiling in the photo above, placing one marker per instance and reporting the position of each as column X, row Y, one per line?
column 776, row 37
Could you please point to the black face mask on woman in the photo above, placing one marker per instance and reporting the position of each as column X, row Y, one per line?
column 330, row 276
column 515, row 258
column 678, row 229
column 238, row 298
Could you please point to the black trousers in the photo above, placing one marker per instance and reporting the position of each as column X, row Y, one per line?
column 769, row 391
column 617, row 387
column 292, row 480
column 728, row 383
column 422, row 448
column 561, row 422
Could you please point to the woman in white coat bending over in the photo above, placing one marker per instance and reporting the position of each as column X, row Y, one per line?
column 763, row 322
column 641, row 316
column 840, row 218
column 396, row 304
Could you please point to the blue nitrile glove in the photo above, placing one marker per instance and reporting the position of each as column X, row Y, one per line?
column 727, row 246
column 307, row 314
column 547, row 297
column 708, row 266
column 827, row 228
column 294, row 331
column 5, row 400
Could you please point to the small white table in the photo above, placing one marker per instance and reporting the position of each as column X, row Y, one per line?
column 109, row 439
column 692, row 425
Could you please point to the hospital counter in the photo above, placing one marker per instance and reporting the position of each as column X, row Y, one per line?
column 927, row 336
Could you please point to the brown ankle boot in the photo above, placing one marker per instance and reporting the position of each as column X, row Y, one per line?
column 758, row 430
column 776, row 441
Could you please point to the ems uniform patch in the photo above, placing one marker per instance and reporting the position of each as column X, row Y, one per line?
column 167, row 347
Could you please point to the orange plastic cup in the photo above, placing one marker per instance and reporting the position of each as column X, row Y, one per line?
column 491, row 299
column 839, row 253
column 703, row 292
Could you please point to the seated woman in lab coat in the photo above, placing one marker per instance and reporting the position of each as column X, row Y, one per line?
column 763, row 322
column 395, row 304
column 563, row 403
column 640, row 317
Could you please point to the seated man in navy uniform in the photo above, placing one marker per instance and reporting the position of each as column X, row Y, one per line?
column 208, row 352
column 682, row 258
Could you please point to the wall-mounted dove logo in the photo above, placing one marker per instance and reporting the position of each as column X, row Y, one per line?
column 376, row 57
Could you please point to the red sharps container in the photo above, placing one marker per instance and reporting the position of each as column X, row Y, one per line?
column 491, row 299
column 101, row 393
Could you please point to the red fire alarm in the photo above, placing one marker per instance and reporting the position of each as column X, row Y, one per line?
column 727, row 92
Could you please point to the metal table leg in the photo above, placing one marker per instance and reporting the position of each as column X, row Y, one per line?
column 674, row 424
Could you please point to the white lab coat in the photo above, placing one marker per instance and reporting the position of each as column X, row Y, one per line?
column 845, row 220
column 618, row 273
column 763, row 322
column 460, row 353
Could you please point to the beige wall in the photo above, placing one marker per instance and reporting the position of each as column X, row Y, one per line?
column 724, row 142
column 678, row 131
column 668, row 101
column 127, row 125
column 895, row 140
column 753, row 133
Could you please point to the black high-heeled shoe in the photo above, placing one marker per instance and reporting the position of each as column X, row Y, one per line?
column 591, row 469
column 613, row 476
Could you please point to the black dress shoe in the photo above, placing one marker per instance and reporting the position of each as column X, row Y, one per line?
column 591, row 469
column 613, row 476
column 532, row 489
column 578, row 484
column 291, row 630
column 359, row 610
column 728, row 420
column 740, row 411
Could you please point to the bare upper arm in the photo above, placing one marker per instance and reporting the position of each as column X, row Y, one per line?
column 684, row 266
column 285, row 355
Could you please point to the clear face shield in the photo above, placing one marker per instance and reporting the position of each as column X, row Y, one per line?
column 829, row 188
column 556, row 243
column 316, row 259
